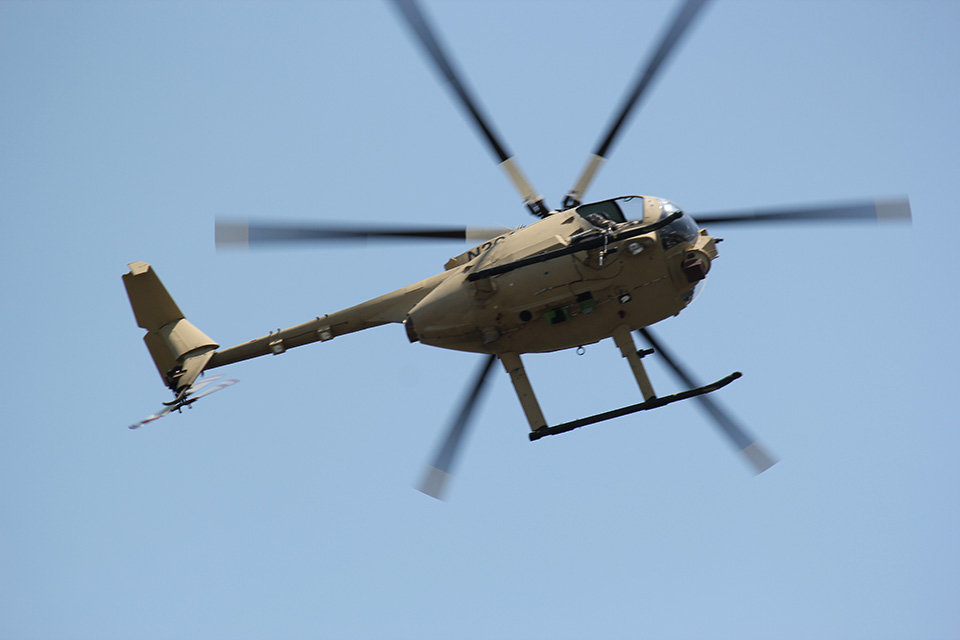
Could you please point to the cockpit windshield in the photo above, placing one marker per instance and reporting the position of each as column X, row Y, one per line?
column 683, row 229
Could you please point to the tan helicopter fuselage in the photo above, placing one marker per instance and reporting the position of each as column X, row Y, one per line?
column 565, row 302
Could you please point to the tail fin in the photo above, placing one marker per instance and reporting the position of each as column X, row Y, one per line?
column 179, row 349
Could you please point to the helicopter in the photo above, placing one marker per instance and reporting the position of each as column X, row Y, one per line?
column 577, row 275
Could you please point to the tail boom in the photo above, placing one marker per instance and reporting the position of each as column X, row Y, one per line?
column 389, row 308
column 181, row 351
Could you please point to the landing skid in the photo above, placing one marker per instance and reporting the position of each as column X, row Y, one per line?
column 652, row 403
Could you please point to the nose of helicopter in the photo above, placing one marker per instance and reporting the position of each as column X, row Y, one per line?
column 695, row 266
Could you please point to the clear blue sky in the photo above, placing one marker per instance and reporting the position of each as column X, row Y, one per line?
column 283, row 507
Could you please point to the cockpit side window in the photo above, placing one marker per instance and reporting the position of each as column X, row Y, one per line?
column 631, row 207
column 607, row 209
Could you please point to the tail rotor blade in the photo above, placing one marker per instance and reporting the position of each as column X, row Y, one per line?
column 751, row 449
column 439, row 473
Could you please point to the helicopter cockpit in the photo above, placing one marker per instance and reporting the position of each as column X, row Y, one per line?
column 603, row 215
column 616, row 211
column 610, row 213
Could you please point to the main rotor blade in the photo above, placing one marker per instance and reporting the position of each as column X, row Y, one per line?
column 421, row 28
column 895, row 209
column 242, row 235
column 671, row 37
column 440, row 471
column 751, row 449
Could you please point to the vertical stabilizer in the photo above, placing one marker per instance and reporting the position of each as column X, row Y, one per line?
column 179, row 350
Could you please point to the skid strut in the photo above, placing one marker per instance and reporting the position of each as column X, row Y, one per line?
column 623, row 338
column 521, row 384
column 624, row 341
column 652, row 403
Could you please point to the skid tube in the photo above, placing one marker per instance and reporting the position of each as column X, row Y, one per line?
column 653, row 403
